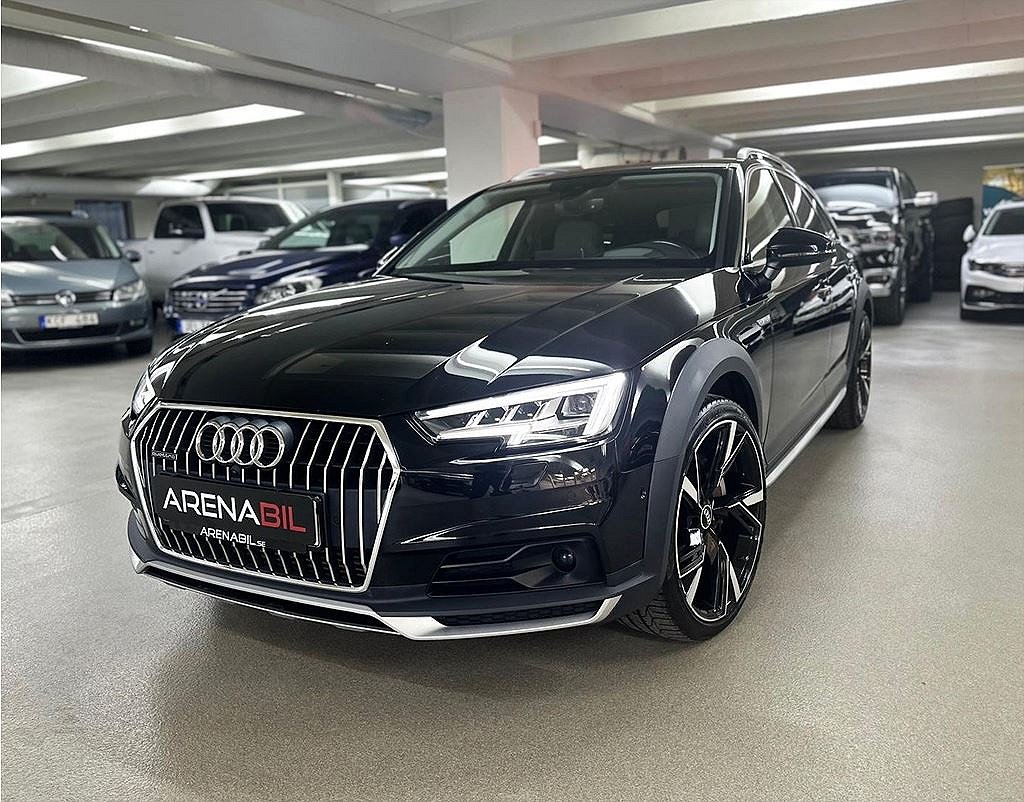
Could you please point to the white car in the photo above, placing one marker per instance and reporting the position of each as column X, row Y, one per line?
column 992, row 270
column 190, row 233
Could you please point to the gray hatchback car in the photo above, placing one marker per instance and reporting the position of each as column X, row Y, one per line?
column 65, row 283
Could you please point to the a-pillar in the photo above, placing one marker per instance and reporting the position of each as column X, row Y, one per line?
column 490, row 135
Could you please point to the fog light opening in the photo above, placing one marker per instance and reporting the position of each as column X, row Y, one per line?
column 563, row 558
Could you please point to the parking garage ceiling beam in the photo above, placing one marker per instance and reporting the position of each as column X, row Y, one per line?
column 163, row 74
column 906, row 22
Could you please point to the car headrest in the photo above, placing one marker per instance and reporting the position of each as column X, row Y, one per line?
column 577, row 238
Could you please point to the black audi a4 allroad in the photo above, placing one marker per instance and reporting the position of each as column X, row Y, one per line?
column 562, row 403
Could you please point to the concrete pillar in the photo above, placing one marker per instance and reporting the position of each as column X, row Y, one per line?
column 335, row 187
column 490, row 135
column 701, row 153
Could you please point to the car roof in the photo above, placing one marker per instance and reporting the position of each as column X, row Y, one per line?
column 49, row 217
column 845, row 170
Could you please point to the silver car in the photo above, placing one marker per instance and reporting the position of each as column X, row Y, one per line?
column 65, row 283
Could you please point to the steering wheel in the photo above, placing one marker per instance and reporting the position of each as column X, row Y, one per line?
column 670, row 250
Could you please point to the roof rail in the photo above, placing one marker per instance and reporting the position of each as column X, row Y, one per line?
column 763, row 155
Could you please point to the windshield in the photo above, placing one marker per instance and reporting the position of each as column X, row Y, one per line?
column 242, row 216
column 600, row 219
column 860, row 189
column 1005, row 223
column 345, row 225
column 53, row 241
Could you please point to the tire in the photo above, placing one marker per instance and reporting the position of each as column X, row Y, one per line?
column 854, row 407
column 921, row 292
column 139, row 347
column 717, row 533
column 891, row 311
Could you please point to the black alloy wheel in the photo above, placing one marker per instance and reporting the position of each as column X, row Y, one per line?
column 854, row 407
column 718, row 529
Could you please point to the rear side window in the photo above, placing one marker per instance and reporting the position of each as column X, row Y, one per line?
column 241, row 216
column 177, row 218
column 766, row 213
column 418, row 218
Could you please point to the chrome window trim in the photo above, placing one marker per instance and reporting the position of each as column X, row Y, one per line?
column 150, row 524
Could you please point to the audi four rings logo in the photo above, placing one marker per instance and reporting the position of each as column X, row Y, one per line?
column 243, row 442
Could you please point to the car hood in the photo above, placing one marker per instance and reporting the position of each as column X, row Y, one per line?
column 1007, row 249
column 392, row 345
column 80, row 276
column 265, row 267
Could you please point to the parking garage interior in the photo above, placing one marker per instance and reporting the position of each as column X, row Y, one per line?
column 878, row 655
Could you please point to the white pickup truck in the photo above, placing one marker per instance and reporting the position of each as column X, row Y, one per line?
column 189, row 233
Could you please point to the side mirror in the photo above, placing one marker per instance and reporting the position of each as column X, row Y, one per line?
column 187, row 233
column 796, row 247
column 132, row 255
column 925, row 200
column 970, row 233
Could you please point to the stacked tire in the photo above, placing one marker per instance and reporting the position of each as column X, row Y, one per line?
column 949, row 219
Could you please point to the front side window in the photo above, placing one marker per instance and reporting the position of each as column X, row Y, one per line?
column 177, row 220
column 657, row 218
column 766, row 213
column 864, row 190
column 335, row 228
column 1005, row 223
column 243, row 216
column 38, row 241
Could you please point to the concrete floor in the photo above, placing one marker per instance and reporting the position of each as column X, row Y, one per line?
column 880, row 655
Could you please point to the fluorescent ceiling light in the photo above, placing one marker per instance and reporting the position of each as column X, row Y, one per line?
column 16, row 81
column 830, row 86
column 343, row 163
column 416, row 178
column 150, row 129
column 909, row 144
column 880, row 122
column 323, row 164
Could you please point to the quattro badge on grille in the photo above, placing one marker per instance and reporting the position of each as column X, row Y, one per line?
column 247, row 443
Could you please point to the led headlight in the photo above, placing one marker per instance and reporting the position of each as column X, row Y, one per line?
column 287, row 288
column 983, row 267
column 573, row 411
column 132, row 291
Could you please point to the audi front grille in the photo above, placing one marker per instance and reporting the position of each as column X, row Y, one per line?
column 350, row 462
column 208, row 301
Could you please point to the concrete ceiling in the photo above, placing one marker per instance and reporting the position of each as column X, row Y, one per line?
column 363, row 77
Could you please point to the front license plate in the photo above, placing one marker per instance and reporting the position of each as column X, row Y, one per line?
column 75, row 321
column 187, row 325
column 243, row 515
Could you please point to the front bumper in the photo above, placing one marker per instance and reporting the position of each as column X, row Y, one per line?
column 431, row 576
column 344, row 614
column 881, row 280
column 983, row 291
column 118, row 323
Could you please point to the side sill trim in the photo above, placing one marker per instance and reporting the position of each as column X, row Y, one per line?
column 412, row 627
column 809, row 435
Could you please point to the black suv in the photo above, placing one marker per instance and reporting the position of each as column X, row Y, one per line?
column 562, row 402
column 887, row 219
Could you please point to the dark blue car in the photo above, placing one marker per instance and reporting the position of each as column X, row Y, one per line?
column 340, row 244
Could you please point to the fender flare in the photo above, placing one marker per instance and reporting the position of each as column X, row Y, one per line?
column 708, row 363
